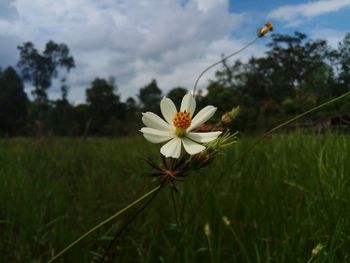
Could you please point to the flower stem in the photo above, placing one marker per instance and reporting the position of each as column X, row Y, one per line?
column 175, row 208
column 266, row 134
column 210, row 248
column 243, row 155
column 124, row 227
column 220, row 61
column 240, row 244
column 261, row 138
column 103, row 223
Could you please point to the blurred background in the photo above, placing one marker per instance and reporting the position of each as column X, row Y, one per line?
column 76, row 68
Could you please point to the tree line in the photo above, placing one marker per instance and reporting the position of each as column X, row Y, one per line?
column 295, row 74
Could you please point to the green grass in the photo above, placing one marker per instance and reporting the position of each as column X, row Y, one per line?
column 291, row 193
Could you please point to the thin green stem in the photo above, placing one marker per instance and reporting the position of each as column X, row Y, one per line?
column 124, row 227
column 290, row 121
column 244, row 251
column 175, row 208
column 245, row 153
column 103, row 223
column 260, row 139
column 220, row 61
column 210, row 248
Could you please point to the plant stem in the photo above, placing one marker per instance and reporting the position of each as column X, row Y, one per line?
column 210, row 250
column 261, row 138
column 175, row 208
column 244, row 251
column 245, row 153
column 103, row 223
column 127, row 224
column 288, row 122
column 220, row 61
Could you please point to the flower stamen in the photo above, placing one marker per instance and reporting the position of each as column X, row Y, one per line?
column 182, row 120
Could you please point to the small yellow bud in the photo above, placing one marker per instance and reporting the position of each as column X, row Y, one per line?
column 226, row 119
column 317, row 250
column 227, row 222
column 207, row 231
column 265, row 29
column 229, row 116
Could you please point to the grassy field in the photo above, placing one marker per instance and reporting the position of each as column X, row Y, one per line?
column 290, row 194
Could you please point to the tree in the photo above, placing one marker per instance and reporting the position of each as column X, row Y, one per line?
column 344, row 59
column 294, row 62
column 13, row 103
column 295, row 74
column 104, row 105
column 220, row 96
column 63, row 119
column 131, row 108
column 150, row 96
column 40, row 69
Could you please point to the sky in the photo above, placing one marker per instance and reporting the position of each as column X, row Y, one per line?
column 171, row 41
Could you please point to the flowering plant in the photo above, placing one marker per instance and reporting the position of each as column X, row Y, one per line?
column 180, row 130
column 178, row 127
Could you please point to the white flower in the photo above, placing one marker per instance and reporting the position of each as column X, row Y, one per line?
column 177, row 127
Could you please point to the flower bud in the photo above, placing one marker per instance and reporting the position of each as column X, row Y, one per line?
column 226, row 119
column 265, row 29
column 229, row 116
column 207, row 231
column 227, row 222
column 317, row 250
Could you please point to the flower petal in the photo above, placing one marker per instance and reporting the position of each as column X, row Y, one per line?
column 156, row 136
column 203, row 137
column 155, row 139
column 192, row 147
column 188, row 104
column 154, row 121
column 202, row 116
column 168, row 109
column 172, row 148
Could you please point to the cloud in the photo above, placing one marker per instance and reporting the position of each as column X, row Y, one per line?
column 7, row 10
column 333, row 36
column 8, row 50
column 295, row 14
column 206, row 5
column 132, row 40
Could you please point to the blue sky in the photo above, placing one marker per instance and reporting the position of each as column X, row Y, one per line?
column 169, row 40
column 319, row 19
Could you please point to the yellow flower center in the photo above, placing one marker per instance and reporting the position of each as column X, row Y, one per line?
column 182, row 120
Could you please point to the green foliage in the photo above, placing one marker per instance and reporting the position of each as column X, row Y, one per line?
column 295, row 74
column 150, row 96
column 104, row 107
column 13, row 103
column 344, row 61
column 40, row 69
column 65, row 120
column 220, row 96
column 290, row 194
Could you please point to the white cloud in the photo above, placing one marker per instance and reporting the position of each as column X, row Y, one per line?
column 7, row 10
column 206, row 5
column 132, row 40
column 8, row 51
column 333, row 36
column 295, row 14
